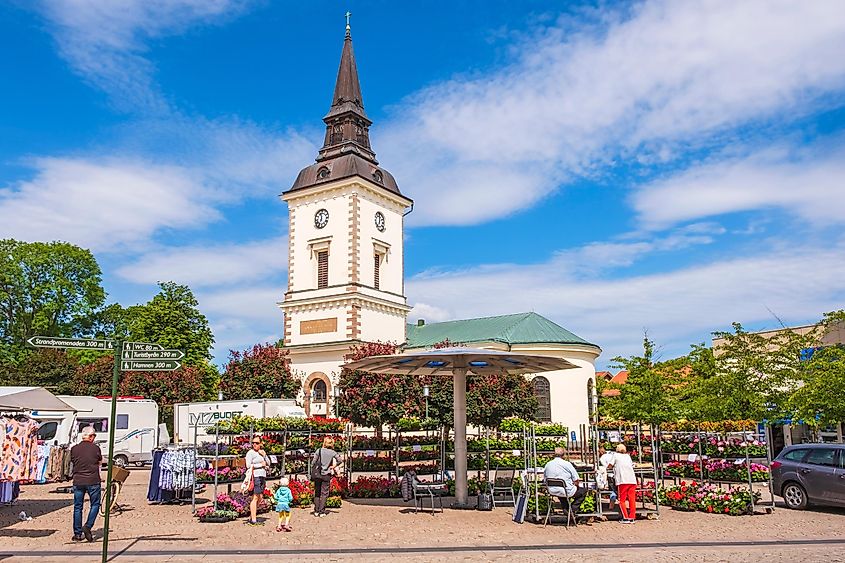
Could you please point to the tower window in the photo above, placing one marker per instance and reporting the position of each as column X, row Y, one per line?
column 376, row 270
column 318, row 391
column 323, row 173
column 544, row 399
column 322, row 269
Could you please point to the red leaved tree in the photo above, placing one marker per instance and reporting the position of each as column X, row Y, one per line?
column 260, row 373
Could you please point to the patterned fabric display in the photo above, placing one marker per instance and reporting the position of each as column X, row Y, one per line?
column 19, row 453
column 177, row 470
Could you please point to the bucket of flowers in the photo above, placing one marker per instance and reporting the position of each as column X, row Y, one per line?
column 208, row 515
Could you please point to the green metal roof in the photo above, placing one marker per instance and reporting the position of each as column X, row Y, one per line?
column 521, row 328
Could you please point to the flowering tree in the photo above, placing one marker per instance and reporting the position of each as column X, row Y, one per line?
column 372, row 399
column 260, row 373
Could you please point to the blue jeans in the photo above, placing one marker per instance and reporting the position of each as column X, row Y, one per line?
column 94, row 492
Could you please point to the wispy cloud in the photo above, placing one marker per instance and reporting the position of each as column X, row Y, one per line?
column 807, row 184
column 639, row 85
column 103, row 204
column 678, row 307
column 210, row 264
column 106, row 42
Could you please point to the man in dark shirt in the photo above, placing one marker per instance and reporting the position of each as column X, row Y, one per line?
column 86, row 458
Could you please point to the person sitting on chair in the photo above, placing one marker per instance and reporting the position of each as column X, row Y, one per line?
column 559, row 468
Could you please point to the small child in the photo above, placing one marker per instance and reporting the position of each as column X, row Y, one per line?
column 283, row 498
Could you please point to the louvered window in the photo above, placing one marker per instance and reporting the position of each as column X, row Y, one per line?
column 544, row 399
column 322, row 269
column 377, row 270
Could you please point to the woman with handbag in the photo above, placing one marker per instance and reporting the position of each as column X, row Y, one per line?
column 257, row 462
column 324, row 465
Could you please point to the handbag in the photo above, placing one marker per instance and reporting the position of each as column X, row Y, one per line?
column 317, row 467
column 249, row 482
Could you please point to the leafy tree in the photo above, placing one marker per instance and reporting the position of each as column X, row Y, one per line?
column 492, row 398
column 172, row 318
column 372, row 399
column 53, row 369
column 262, row 372
column 46, row 289
column 648, row 394
column 820, row 399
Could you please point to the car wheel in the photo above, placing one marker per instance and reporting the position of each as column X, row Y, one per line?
column 795, row 496
column 121, row 461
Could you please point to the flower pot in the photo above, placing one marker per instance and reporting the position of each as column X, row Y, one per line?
column 215, row 519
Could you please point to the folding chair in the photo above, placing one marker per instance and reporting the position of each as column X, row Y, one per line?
column 503, row 485
column 570, row 513
column 427, row 490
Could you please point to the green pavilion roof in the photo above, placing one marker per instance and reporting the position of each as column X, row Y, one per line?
column 521, row 328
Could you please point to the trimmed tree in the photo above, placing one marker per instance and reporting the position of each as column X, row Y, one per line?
column 262, row 372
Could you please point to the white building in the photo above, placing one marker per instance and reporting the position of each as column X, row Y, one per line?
column 346, row 272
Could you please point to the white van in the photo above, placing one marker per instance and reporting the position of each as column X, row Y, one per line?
column 136, row 429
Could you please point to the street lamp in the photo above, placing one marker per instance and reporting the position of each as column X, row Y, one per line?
column 425, row 394
column 335, row 396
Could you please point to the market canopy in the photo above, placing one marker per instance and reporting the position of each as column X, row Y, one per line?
column 457, row 362
column 31, row 399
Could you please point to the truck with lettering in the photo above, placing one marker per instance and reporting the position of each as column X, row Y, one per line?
column 191, row 421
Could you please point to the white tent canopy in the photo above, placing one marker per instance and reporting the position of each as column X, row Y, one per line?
column 31, row 399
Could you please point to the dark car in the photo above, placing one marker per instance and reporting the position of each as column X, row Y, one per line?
column 810, row 474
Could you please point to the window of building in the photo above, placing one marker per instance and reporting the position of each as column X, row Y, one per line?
column 322, row 269
column 544, row 399
column 377, row 270
column 590, row 404
column 318, row 391
column 122, row 422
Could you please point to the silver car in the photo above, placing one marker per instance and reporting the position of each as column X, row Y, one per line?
column 810, row 474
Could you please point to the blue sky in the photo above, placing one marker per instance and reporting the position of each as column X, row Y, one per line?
column 616, row 167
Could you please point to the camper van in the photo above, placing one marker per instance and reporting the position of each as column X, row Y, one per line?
column 136, row 428
column 191, row 420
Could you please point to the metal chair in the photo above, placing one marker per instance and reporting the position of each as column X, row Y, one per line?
column 570, row 513
column 427, row 490
column 503, row 485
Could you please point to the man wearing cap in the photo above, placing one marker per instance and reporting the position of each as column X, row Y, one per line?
column 86, row 458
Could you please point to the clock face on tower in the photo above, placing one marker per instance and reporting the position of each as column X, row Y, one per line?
column 379, row 221
column 321, row 218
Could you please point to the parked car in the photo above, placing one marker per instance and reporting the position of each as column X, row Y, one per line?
column 810, row 474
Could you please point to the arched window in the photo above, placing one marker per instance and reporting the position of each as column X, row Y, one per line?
column 590, row 404
column 544, row 399
column 318, row 391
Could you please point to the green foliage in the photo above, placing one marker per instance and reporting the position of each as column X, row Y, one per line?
column 820, row 399
column 491, row 398
column 260, row 373
column 46, row 289
column 172, row 319
column 648, row 395
column 53, row 369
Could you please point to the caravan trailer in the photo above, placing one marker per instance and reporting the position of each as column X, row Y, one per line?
column 136, row 430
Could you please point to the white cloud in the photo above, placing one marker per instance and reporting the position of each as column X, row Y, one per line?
column 678, row 307
column 579, row 97
column 812, row 187
column 105, row 42
column 211, row 264
column 102, row 204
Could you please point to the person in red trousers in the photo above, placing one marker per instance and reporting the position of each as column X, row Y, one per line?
column 626, row 483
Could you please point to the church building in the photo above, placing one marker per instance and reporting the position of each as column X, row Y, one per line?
column 346, row 273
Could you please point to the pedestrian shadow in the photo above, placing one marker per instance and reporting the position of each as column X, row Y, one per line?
column 26, row 533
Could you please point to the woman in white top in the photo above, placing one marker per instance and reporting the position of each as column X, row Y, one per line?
column 626, row 484
column 257, row 460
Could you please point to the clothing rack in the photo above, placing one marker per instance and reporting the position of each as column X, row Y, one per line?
column 178, row 494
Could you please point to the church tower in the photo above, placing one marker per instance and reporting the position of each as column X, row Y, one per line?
column 345, row 248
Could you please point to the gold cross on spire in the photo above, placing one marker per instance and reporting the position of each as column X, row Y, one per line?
column 348, row 29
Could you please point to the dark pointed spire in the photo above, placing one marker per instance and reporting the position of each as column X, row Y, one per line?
column 347, row 124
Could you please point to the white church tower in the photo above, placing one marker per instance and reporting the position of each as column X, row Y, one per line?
column 345, row 254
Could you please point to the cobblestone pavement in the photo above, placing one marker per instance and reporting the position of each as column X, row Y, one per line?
column 380, row 530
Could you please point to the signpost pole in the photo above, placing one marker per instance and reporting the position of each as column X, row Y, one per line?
column 118, row 350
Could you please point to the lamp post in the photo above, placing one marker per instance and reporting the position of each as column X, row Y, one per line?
column 335, row 397
column 425, row 394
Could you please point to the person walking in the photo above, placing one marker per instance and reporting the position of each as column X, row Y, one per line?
column 626, row 484
column 257, row 460
column 86, row 458
column 323, row 467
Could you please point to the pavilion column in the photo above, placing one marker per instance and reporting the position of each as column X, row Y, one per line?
column 459, row 382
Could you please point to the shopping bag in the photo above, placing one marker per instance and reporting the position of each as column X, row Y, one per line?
column 247, row 485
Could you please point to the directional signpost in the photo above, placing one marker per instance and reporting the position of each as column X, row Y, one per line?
column 128, row 356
